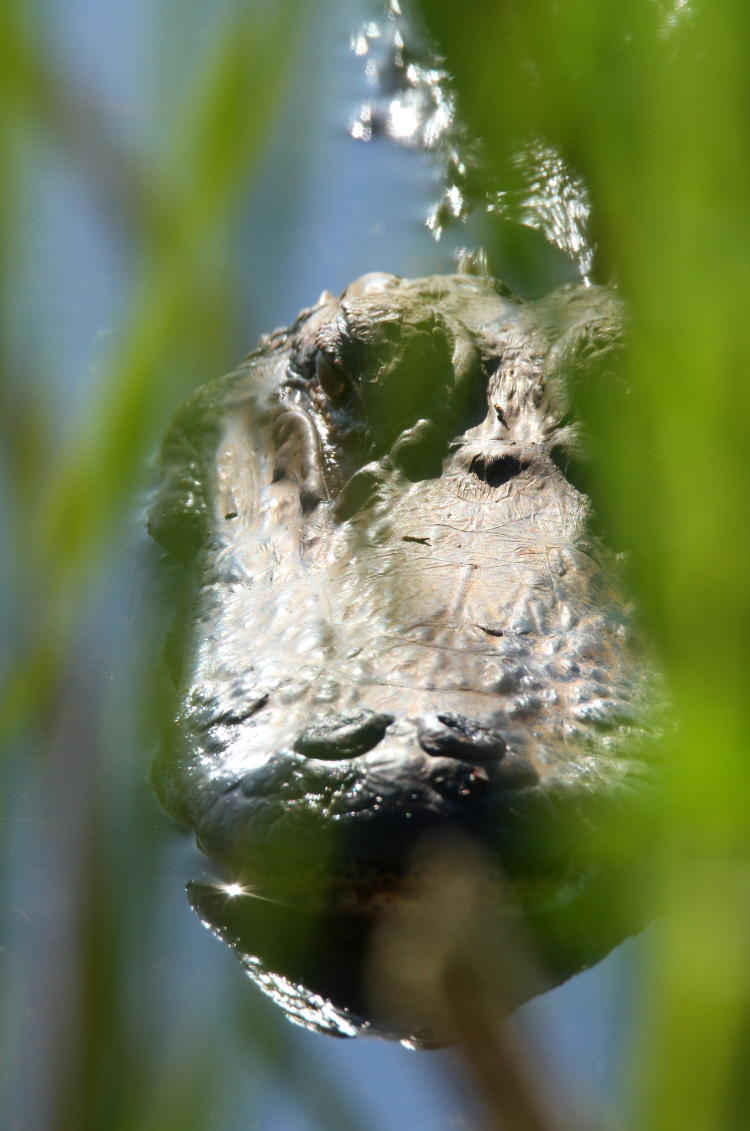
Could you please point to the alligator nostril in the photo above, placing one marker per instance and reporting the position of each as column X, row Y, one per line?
column 343, row 736
column 458, row 737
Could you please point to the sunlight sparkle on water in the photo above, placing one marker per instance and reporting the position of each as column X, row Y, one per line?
column 233, row 890
column 403, row 119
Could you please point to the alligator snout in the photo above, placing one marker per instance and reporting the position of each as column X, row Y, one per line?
column 465, row 757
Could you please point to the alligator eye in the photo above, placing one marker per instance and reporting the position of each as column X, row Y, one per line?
column 332, row 377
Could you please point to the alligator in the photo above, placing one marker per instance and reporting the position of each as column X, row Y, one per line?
column 398, row 625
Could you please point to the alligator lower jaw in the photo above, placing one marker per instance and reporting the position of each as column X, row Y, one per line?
column 329, row 964
column 378, row 959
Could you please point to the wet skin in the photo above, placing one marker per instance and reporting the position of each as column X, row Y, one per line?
column 397, row 621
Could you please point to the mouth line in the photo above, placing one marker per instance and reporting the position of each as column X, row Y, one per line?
column 332, row 827
column 354, row 784
column 363, row 864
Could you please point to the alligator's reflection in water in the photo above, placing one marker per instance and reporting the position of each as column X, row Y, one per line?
column 397, row 625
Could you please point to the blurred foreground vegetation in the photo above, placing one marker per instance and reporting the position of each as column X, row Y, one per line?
column 650, row 102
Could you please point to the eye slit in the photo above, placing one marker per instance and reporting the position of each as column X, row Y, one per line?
column 332, row 377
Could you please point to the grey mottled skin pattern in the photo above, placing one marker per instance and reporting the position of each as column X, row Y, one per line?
column 397, row 616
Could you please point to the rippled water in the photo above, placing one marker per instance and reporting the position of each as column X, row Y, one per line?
column 413, row 103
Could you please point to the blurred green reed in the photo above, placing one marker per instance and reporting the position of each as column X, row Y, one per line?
column 178, row 209
column 651, row 100
column 113, row 1058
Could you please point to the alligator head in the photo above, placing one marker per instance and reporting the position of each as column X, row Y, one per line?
column 397, row 625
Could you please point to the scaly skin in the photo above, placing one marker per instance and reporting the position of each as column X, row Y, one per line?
column 397, row 619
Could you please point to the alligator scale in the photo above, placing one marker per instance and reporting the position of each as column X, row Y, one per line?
column 397, row 623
